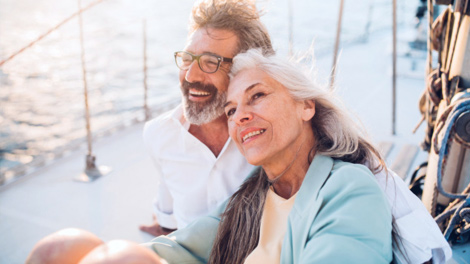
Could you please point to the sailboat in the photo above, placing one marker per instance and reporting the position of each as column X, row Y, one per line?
column 112, row 200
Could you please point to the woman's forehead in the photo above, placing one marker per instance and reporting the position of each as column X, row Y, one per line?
column 248, row 79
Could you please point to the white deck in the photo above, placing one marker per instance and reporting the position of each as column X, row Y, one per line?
column 49, row 199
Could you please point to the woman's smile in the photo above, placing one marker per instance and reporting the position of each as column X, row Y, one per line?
column 250, row 134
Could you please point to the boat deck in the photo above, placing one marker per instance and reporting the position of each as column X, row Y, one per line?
column 50, row 199
column 114, row 205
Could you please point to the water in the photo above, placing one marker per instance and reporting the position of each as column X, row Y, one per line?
column 41, row 90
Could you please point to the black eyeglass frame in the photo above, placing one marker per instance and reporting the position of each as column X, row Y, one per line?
column 220, row 59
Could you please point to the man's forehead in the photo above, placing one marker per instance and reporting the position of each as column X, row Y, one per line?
column 215, row 41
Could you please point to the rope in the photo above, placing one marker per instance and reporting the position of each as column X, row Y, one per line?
column 49, row 31
column 460, row 108
column 459, row 212
column 291, row 26
column 430, row 22
column 394, row 68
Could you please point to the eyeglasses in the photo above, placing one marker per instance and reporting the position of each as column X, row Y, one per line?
column 208, row 63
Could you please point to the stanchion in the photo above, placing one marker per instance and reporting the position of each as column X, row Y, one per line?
column 146, row 108
column 335, row 53
column 92, row 172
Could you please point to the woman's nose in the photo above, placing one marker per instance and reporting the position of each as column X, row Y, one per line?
column 243, row 115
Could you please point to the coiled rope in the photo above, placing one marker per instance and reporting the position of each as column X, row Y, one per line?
column 460, row 213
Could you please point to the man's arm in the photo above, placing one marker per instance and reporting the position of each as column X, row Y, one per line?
column 163, row 219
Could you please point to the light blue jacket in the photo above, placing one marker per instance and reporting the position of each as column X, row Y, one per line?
column 340, row 215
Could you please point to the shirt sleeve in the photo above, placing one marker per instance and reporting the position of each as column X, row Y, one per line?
column 191, row 244
column 418, row 234
column 353, row 224
column 163, row 203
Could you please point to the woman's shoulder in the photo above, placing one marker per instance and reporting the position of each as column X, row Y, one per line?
column 346, row 170
column 349, row 178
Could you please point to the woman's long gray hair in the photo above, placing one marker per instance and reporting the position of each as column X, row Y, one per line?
column 336, row 136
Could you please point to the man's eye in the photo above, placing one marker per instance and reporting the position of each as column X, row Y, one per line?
column 230, row 112
column 212, row 63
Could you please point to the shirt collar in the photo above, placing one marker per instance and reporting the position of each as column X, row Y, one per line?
column 178, row 116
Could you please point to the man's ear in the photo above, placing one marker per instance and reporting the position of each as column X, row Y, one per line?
column 308, row 110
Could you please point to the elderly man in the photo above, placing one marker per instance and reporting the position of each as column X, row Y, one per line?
column 200, row 166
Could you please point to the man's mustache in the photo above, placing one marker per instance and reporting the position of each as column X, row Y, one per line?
column 199, row 86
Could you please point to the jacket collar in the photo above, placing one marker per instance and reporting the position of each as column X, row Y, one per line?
column 316, row 176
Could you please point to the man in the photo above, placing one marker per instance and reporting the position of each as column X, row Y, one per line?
column 200, row 166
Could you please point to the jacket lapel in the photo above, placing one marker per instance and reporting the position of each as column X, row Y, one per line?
column 315, row 178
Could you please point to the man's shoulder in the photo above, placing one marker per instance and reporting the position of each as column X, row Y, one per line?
column 165, row 122
column 165, row 118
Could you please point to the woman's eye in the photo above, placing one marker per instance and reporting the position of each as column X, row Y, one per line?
column 257, row 95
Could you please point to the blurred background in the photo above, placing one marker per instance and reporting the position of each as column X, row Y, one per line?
column 41, row 88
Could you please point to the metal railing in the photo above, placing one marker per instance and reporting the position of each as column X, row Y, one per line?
column 92, row 171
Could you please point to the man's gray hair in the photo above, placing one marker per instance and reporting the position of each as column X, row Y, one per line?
column 238, row 16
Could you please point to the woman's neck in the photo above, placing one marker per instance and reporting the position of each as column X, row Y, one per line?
column 290, row 184
column 287, row 182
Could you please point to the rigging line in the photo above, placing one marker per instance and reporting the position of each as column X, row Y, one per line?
column 291, row 25
column 50, row 31
column 394, row 66
column 430, row 36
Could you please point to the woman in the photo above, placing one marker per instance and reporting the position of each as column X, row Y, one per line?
column 310, row 201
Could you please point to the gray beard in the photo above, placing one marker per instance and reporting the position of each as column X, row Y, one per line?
column 202, row 113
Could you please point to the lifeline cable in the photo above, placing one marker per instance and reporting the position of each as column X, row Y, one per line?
column 49, row 31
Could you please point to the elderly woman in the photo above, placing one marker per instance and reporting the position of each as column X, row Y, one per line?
column 310, row 200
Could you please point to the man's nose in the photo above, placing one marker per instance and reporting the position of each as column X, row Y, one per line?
column 194, row 73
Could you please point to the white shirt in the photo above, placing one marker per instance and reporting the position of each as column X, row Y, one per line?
column 192, row 180
column 417, row 230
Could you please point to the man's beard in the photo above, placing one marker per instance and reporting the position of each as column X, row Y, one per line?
column 199, row 113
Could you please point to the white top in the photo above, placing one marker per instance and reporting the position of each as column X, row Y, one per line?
column 417, row 230
column 273, row 229
column 193, row 181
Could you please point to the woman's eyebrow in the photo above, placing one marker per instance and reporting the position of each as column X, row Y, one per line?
column 246, row 90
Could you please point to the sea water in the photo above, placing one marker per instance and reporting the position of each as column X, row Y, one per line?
column 42, row 88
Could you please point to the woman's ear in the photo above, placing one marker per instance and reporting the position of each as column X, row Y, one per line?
column 309, row 110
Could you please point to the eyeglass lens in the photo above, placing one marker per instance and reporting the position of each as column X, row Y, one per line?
column 207, row 62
